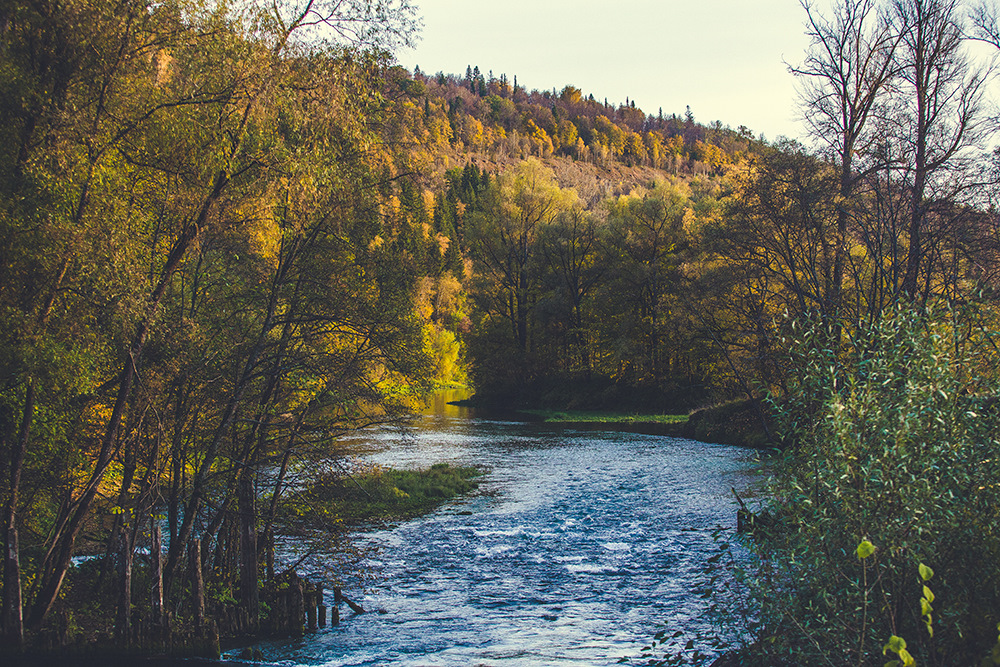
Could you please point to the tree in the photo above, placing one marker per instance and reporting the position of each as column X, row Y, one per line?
column 847, row 73
column 889, row 471
column 773, row 251
column 140, row 132
column 503, row 236
column 942, row 120
column 572, row 247
column 645, row 239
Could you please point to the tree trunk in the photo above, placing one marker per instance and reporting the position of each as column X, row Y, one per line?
column 123, row 622
column 13, row 624
column 61, row 551
column 156, row 563
column 197, row 584
column 249, row 594
column 247, row 375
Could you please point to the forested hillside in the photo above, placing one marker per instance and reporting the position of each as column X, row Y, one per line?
column 566, row 227
column 636, row 255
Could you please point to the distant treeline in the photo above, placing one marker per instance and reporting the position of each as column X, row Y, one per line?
column 479, row 115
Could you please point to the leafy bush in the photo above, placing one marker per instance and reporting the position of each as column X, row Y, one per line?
column 893, row 444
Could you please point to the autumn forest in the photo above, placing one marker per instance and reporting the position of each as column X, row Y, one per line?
column 232, row 233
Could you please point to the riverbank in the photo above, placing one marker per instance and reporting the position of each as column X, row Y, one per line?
column 207, row 610
column 595, row 394
column 742, row 422
column 603, row 417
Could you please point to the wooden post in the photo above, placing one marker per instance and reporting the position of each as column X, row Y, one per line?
column 355, row 607
column 296, row 614
column 338, row 597
column 279, row 612
column 197, row 584
column 208, row 644
column 320, row 605
column 311, row 604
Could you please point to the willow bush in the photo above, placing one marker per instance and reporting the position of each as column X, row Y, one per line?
column 893, row 441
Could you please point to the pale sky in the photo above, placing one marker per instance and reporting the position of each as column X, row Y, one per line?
column 724, row 58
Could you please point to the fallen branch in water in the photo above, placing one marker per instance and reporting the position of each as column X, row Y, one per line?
column 338, row 597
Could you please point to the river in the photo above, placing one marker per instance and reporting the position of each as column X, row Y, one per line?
column 578, row 545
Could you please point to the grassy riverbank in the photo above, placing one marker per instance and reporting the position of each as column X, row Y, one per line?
column 732, row 423
column 603, row 417
column 379, row 494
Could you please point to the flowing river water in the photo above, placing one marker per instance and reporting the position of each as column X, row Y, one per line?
column 578, row 545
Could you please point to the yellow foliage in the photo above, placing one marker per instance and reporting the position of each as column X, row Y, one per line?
column 428, row 202
column 539, row 138
column 568, row 134
column 445, row 350
column 690, row 222
column 571, row 95
column 472, row 133
column 424, row 299
column 163, row 67
column 634, row 147
column 264, row 236
column 675, row 145
column 448, row 293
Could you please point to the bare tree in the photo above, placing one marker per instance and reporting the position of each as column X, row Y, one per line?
column 984, row 23
column 847, row 71
column 940, row 115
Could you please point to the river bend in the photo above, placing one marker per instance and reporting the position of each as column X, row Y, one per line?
column 578, row 545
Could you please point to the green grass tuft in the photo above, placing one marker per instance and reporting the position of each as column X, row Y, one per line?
column 379, row 494
column 580, row 417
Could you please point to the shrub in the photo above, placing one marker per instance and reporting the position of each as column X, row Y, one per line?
column 894, row 444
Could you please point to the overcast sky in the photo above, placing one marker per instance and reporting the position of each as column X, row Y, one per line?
column 724, row 58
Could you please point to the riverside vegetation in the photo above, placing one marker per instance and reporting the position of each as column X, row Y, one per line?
column 376, row 495
column 231, row 234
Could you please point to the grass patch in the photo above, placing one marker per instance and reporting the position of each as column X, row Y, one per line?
column 379, row 494
column 581, row 416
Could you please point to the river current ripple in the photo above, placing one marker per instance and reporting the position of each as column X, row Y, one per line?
column 577, row 547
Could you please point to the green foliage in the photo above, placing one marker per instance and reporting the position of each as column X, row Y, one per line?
column 563, row 289
column 187, row 205
column 897, row 645
column 893, row 456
